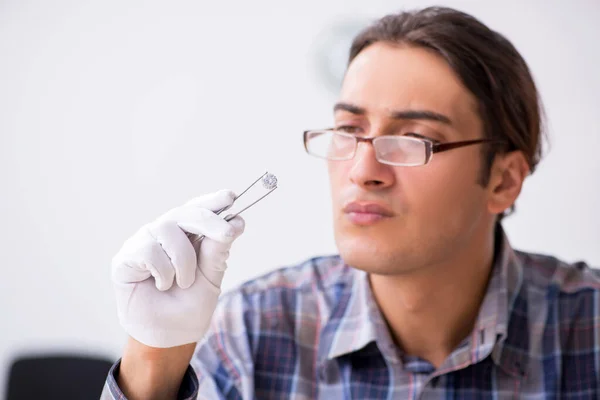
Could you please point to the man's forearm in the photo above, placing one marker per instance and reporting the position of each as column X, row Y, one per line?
column 152, row 373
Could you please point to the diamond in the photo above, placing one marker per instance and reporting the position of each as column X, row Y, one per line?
column 269, row 181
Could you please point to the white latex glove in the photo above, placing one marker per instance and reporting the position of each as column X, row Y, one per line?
column 166, row 289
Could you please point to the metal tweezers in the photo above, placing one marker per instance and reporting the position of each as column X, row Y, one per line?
column 269, row 182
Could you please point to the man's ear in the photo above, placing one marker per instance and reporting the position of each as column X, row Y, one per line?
column 506, row 179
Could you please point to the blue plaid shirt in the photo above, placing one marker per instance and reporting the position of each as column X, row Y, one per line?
column 314, row 331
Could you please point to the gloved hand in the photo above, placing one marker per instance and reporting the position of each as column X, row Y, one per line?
column 167, row 288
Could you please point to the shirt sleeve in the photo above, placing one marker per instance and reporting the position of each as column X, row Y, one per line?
column 222, row 365
column 187, row 391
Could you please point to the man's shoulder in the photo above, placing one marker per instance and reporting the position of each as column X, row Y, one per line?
column 317, row 275
column 303, row 295
column 322, row 272
column 554, row 319
column 557, row 277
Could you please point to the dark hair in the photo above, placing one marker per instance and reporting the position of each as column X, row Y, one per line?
column 486, row 63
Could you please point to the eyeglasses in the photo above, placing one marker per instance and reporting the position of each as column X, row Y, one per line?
column 401, row 151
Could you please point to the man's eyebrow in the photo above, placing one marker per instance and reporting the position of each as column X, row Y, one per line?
column 351, row 108
column 421, row 114
column 404, row 114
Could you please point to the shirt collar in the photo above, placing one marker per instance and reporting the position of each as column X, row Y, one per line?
column 355, row 321
column 501, row 327
column 511, row 348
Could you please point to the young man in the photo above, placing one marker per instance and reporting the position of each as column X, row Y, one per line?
column 437, row 125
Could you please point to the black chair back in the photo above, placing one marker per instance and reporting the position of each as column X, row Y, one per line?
column 72, row 377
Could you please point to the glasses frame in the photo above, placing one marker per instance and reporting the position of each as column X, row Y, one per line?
column 431, row 147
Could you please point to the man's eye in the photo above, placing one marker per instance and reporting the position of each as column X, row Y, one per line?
column 420, row 136
column 347, row 129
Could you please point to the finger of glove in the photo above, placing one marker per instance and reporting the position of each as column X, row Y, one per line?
column 201, row 221
column 213, row 201
column 178, row 249
column 213, row 255
column 141, row 257
column 128, row 265
column 238, row 225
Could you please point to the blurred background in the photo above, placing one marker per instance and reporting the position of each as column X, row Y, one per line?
column 113, row 112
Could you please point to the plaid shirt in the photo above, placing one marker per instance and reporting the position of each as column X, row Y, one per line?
column 314, row 331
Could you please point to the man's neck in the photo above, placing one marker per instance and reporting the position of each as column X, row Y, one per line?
column 431, row 310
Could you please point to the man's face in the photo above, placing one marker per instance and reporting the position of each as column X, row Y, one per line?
column 426, row 212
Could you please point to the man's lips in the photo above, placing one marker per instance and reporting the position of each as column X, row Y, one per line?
column 367, row 208
column 366, row 213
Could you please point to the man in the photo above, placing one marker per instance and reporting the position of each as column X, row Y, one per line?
column 437, row 125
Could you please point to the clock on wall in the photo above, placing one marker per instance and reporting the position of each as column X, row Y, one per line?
column 331, row 50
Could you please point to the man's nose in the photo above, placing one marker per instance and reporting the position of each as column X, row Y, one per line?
column 367, row 172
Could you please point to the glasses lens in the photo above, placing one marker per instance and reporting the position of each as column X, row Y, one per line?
column 399, row 150
column 330, row 145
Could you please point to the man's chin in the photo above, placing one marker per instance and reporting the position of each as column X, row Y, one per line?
column 374, row 256
column 376, row 264
column 372, row 250
column 370, row 260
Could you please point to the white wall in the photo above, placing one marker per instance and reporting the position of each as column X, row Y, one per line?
column 113, row 112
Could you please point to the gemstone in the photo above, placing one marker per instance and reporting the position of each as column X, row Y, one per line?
column 269, row 181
